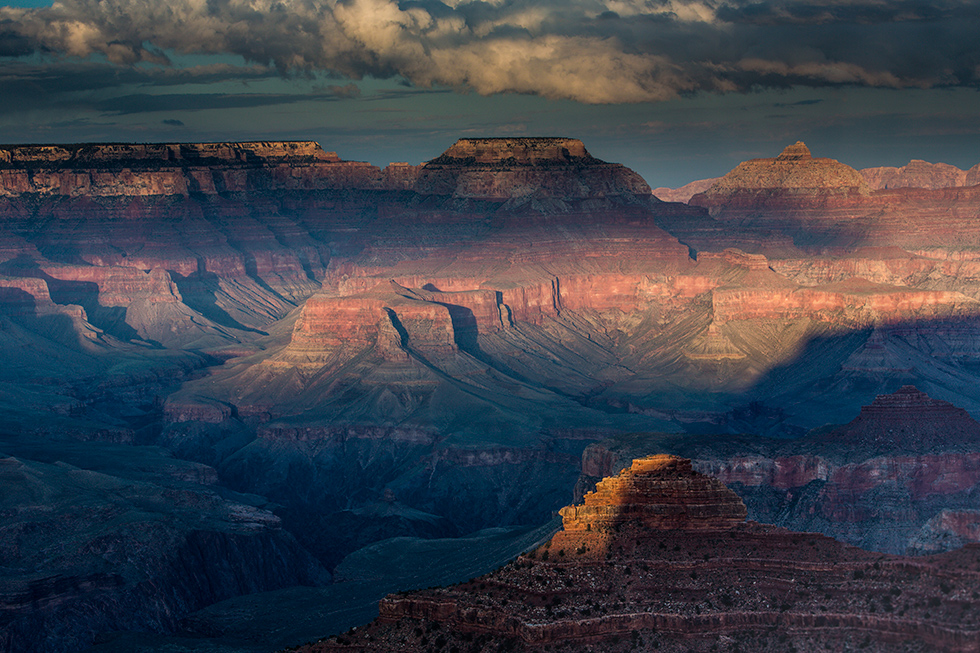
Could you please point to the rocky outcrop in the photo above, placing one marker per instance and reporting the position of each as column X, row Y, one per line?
column 656, row 492
column 794, row 177
column 136, row 170
column 821, row 203
column 908, row 420
column 502, row 168
column 655, row 584
column 686, row 192
column 919, row 174
column 902, row 476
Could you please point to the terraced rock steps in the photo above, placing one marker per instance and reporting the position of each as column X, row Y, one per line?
column 660, row 558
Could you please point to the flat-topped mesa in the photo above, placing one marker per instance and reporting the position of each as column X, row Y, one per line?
column 794, row 175
column 169, row 169
column 908, row 420
column 87, row 154
column 517, row 151
column 506, row 168
column 658, row 492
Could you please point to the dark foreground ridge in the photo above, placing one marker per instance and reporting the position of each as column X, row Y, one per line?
column 679, row 569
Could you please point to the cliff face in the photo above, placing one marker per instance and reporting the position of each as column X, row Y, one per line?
column 820, row 203
column 87, row 551
column 902, row 476
column 921, row 174
column 679, row 585
column 794, row 176
column 518, row 167
column 454, row 335
column 138, row 170
column 660, row 492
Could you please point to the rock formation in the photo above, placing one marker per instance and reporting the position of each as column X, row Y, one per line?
column 135, row 170
column 821, row 203
column 792, row 177
column 138, row 547
column 659, row 492
column 908, row 421
column 902, row 476
column 921, row 174
column 328, row 334
column 697, row 583
column 496, row 168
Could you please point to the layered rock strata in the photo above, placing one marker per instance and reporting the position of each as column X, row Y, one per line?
column 793, row 176
column 124, row 169
column 921, row 174
column 903, row 476
column 821, row 203
column 137, row 543
column 699, row 583
column 659, row 492
column 525, row 167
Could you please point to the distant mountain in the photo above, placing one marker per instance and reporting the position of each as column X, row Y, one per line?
column 921, row 174
column 685, row 192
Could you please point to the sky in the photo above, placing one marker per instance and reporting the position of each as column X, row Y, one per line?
column 676, row 89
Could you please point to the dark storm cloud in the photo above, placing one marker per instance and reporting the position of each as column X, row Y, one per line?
column 801, row 103
column 147, row 103
column 596, row 51
column 67, row 87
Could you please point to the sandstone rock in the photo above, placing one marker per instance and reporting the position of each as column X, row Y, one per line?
column 792, row 177
column 686, row 192
column 877, row 482
column 906, row 421
column 653, row 585
column 524, row 167
column 657, row 492
column 133, row 170
column 915, row 174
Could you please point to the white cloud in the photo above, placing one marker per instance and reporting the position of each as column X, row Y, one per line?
column 595, row 51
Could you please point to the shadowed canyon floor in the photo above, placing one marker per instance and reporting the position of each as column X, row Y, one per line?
column 427, row 352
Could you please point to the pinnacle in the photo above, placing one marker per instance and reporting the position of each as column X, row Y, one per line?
column 795, row 152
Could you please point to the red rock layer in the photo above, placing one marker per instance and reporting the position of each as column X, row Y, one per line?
column 656, row 492
column 134, row 170
column 821, row 203
column 909, row 420
column 793, row 176
column 921, row 174
column 649, row 585
column 854, row 302
column 524, row 167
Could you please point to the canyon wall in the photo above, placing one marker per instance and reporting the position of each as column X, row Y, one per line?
column 703, row 581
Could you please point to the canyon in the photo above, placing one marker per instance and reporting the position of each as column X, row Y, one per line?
column 660, row 557
column 422, row 353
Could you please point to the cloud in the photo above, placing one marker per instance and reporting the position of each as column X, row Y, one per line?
column 593, row 51
column 173, row 122
column 351, row 90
